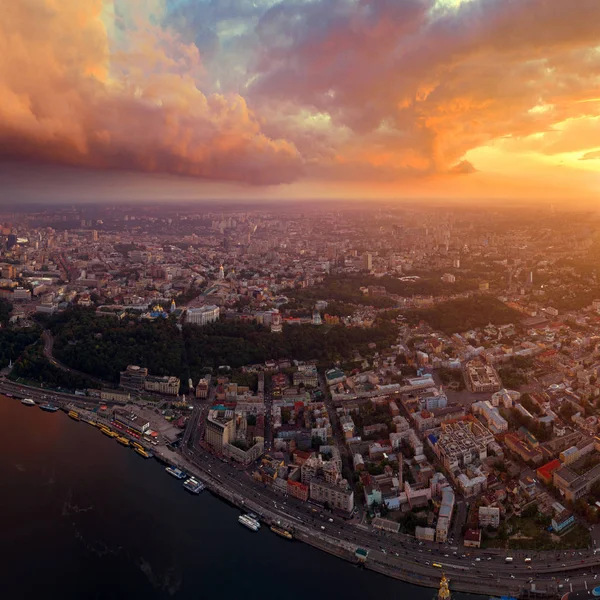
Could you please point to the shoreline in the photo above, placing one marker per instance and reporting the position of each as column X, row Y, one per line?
column 337, row 547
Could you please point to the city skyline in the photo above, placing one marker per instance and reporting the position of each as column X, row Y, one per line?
column 192, row 99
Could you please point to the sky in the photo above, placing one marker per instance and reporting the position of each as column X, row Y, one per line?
column 276, row 99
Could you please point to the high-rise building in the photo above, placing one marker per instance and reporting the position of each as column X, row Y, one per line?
column 367, row 261
column 219, row 429
column 94, row 235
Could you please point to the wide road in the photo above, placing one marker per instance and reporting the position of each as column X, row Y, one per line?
column 402, row 556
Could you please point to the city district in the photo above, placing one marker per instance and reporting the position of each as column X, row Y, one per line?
column 417, row 391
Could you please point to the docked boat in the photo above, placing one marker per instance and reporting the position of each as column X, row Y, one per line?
column 123, row 440
column 193, row 485
column 49, row 407
column 143, row 452
column 137, row 445
column 106, row 431
column 9, row 395
column 178, row 473
column 90, row 422
column 249, row 522
column 282, row 532
column 254, row 517
column 74, row 415
column 28, row 402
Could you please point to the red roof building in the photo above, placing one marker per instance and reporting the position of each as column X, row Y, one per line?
column 545, row 471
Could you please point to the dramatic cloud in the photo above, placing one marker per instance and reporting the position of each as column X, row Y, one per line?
column 65, row 98
column 271, row 91
column 445, row 80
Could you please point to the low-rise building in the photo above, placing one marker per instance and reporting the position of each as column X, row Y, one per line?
column 336, row 496
column 489, row 516
column 472, row 538
column 115, row 396
column 298, row 490
column 133, row 378
column 425, row 534
column 162, row 385
column 562, row 521
column 131, row 421
column 242, row 456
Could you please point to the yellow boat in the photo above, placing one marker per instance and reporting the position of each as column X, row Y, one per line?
column 123, row 440
column 282, row 532
column 92, row 423
column 108, row 432
column 142, row 452
column 73, row 415
column 138, row 445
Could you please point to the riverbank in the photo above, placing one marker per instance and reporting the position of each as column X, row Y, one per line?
column 98, row 520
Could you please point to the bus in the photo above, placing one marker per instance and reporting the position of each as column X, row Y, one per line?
column 436, row 565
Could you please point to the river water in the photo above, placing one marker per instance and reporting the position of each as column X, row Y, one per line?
column 84, row 517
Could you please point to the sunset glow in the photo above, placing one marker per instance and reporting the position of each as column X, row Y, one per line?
column 306, row 98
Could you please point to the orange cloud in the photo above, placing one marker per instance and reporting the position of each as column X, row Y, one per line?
column 397, row 92
column 65, row 99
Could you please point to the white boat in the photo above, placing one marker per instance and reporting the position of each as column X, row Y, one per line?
column 193, row 485
column 249, row 522
column 28, row 402
column 176, row 472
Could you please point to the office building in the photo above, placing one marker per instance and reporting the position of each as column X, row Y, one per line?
column 202, row 315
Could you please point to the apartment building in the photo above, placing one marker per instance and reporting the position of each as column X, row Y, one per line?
column 489, row 516
column 336, row 496
column 220, row 429
column 163, row 385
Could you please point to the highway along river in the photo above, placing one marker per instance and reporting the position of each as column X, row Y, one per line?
column 84, row 517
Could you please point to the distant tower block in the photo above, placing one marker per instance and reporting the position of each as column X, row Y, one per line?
column 173, row 305
column 221, row 274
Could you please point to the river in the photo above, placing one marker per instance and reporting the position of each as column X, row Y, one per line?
column 84, row 517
